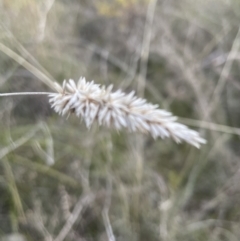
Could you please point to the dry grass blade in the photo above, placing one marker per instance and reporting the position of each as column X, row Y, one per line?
column 211, row 126
column 83, row 201
column 46, row 170
column 19, row 142
column 44, row 78
column 224, row 74
column 13, row 189
column 93, row 102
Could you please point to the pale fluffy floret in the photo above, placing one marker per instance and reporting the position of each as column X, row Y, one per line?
column 93, row 102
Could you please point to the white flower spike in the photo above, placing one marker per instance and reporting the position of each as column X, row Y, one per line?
column 92, row 102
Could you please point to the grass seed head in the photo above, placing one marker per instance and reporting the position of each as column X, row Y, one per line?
column 92, row 102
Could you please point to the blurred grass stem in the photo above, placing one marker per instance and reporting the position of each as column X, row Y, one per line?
column 39, row 74
column 25, row 93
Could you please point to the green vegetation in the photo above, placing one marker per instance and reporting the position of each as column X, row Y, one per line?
column 60, row 181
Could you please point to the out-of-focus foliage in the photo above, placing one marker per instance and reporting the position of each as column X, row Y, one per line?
column 25, row 12
column 118, row 8
column 126, row 184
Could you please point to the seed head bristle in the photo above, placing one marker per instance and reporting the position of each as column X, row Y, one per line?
column 92, row 102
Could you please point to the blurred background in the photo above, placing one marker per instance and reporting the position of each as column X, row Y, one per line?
column 59, row 181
